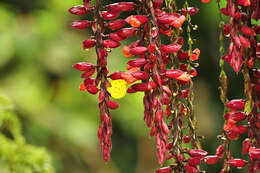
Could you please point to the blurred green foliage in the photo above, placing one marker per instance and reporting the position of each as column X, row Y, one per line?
column 15, row 155
column 38, row 49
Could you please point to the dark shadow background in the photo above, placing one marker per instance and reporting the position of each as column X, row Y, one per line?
column 37, row 50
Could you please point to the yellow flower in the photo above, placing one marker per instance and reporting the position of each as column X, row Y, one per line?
column 117, row 88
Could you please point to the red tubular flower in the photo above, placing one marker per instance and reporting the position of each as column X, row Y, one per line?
column 140, row 75
column 136, row 21
column 191, row 169
column 139, row 50
column 178, row 74
column 219, row 151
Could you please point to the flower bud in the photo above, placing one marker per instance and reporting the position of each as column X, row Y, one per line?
column 83, row 66
column 92, row 89
column 138, row 50
column 116, row 24
column 126, row 32
column 236, row 104
column 186, row 139
column 79, row 10
column 121, row 6
column 89, row 43
column 219, row 151
column 244, row 3
column 88, row 73
column 112, row 104
column 194, row 161
column 110, row 44
column 197, row 153
column 81, row 24
column 140, row 75
column 246, row 145
column 138, row 62
column 108, row 15
column 191, row 169
column 255, row 154
column 140, row 87
column 237, row 116
column 115, row 37
column 168, row 18
column 211, row 160
column 171, row 48
column 238, row 163
column 248, row 31
column 157, row 4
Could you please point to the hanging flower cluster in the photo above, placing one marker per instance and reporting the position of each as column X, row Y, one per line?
column 102, row 43
column 241, row 115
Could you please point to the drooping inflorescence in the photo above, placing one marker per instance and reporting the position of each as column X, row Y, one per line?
column 241, row 115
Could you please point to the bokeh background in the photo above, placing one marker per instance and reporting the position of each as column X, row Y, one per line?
column 37, row 50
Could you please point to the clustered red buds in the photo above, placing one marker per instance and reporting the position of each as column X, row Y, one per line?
column 241, row 115
column 102, row 43
column 240, row 31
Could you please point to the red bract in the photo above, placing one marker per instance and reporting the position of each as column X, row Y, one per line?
column 171, row 48
column 239, row 163
column 79, row 10
column 210, row 160
column 116, row 24
column 81, row 24
column 197, row 153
